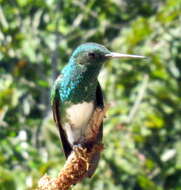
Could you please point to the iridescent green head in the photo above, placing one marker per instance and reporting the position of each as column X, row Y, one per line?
column 91, row 54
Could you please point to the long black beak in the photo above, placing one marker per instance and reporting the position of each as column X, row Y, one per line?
column 120, row 55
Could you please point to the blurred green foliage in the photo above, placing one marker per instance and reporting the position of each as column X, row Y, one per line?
column 142, row 133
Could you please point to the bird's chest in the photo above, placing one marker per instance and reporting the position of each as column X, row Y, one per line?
column 78, row 115
column 75, row 120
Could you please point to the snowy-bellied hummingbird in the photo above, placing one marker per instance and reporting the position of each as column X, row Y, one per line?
column 76, row 93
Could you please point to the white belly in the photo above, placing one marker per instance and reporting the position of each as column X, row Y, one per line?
column 78, row 116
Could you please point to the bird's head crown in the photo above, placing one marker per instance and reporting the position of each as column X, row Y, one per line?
column 90, row 53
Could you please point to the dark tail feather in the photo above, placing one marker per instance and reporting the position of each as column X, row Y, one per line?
column 94, row 163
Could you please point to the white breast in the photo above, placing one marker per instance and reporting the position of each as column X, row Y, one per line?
column 78, row 116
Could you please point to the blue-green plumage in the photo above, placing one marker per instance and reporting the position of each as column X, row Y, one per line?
column 76, row 94
column 80, row 74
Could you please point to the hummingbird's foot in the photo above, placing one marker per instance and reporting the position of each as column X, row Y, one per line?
column 76, row 149
column 76, row 146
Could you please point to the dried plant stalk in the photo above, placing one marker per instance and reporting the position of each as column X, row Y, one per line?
column 79, row 161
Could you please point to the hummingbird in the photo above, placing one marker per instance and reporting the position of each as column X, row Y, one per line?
column 75, row 95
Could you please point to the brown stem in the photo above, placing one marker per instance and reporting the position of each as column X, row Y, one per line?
column 79, row 161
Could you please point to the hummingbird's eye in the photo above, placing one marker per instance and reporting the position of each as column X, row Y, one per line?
column 92, row 55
